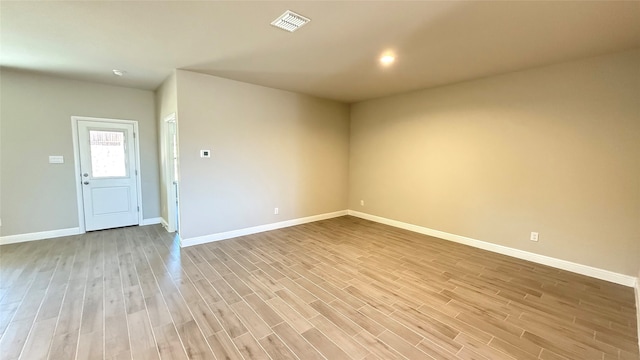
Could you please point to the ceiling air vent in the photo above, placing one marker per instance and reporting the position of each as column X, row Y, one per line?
column 290, row 21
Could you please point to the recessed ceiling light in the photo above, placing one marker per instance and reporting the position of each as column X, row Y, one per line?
column 117, row 72
column 387, row 59
column 290, row 21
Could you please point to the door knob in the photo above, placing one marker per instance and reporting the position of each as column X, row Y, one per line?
column 86, row 183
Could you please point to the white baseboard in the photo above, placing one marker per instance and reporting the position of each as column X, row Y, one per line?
column 257, row 229
column 12, row 239
column 520, row 254
column 164, row 223
column 637, row 287
column 151, row 221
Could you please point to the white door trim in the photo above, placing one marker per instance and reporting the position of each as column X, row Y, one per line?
column 76, row 162
column 168, row 179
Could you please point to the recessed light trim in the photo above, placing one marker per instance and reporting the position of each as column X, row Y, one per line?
column 387, row 59
column 117, row 72
column 290, row 21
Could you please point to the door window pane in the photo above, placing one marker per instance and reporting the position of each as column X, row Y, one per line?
column 108, row 153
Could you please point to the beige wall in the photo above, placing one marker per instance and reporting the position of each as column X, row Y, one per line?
column 166, row 104
column 36, row 115
column 270, row 148
column 554, row 150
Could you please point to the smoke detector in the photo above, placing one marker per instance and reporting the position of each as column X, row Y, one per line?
column 290, row 21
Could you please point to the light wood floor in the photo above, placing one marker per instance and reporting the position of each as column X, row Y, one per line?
column 343, row 288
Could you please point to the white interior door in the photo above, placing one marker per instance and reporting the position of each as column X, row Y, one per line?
column 108, row 172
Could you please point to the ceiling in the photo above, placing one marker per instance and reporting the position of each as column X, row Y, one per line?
column 335, row 56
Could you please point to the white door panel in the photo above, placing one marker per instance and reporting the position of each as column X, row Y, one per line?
column 110, row 200
column 108, row 174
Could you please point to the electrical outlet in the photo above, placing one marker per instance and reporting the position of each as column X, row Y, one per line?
column 361, row 202
column 534, row 236
column 276, row 211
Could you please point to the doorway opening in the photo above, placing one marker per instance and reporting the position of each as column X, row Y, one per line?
column 171, row 173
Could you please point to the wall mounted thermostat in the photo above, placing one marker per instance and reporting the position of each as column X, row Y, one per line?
column 205, row 153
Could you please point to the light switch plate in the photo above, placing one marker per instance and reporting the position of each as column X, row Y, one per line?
column 205, row 153
column 56, row 159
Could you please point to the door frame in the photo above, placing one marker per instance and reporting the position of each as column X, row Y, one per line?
column 173, row 221
column 76, row 162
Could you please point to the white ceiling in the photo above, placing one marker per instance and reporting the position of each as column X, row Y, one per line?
column 334, row 56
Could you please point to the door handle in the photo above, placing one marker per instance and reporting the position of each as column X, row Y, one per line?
column 85, row 174
column 86, row 183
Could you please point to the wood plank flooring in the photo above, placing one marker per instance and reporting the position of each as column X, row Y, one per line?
column 343, row 288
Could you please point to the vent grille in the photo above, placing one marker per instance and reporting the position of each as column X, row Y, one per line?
column 290, row 21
